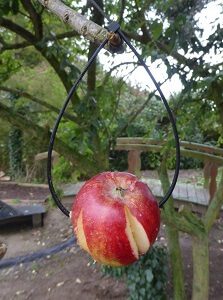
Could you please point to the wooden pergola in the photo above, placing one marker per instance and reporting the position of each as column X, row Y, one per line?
column 197, row 198
column 185, row 193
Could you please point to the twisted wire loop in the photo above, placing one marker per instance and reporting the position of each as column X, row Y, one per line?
column 56, row 125
column 114, row 28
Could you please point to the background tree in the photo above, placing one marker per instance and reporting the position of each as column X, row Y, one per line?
column 170, row 32
column 34, row 41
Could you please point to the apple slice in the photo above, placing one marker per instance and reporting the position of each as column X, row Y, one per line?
column 129, row 233
column 80, row 233
column 137, row 232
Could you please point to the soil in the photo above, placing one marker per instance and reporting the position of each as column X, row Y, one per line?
column 19, row 191
column 69, row 274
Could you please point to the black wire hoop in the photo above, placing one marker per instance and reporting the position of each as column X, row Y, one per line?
column 115, row 28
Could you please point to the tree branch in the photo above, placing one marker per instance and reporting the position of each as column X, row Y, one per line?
column 35, row 18
column 185, row 220
column 50, row 57
column 122, row 9
column 55, row 63
column 133, row 115
column 40, row 133
column 83, row 26
column 16, row 46
column 27, row 35
column 91, row 74
column 214, row 207
column 108, row 74
column 78, row 22
column 63, row 35
column 25, row 44
column 144, row 39
column 38, row 101
column 97, row 34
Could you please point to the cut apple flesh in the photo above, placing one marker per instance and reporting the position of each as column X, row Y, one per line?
column 130, row 236
column 136, row 234
column 80, row 234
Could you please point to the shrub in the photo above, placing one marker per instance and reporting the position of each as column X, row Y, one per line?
column 146, row 279
column 62, row 171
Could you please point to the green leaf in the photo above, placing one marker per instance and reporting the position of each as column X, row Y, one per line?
column 149, row 275
column 9, row 6
column 156, row 29
column 180, row 21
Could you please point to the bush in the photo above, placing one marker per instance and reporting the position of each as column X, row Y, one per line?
column 150, row 160
column 118, row 160
column 146, row 279
column 62, row 171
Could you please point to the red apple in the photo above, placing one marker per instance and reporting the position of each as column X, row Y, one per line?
column 115, row 217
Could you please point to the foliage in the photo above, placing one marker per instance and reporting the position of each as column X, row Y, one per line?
column 40, row 55
column 4, row 159
column 118, row 160
column 163, row 31
column 51, row 202
column 9, row 6
column 146, row 279
column 15, row 153
column 151, row 161
column 62, row 170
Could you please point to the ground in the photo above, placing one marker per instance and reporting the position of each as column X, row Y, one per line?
column 68, row 274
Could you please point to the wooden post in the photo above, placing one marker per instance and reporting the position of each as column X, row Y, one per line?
column 37, row 220
column 134, row 162
column 206, row 172
column 44, row 155
column 40, row 164
column 210, row 175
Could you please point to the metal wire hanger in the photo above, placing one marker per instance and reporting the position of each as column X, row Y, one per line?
column 113, row 27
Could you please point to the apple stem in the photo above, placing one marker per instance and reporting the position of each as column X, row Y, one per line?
column 121, row 191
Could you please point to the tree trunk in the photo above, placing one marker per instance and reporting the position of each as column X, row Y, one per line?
column 176, row 262
column 200, row 268
column 175, row 255
column 100, row 147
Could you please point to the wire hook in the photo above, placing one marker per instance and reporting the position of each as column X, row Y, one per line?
column 113, row 27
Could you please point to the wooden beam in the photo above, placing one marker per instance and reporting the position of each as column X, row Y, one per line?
column 44, row 155
column 184, row 144
column 184, row 152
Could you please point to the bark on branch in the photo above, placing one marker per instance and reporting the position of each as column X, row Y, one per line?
column 27, row 35
column 84, row 27
column 34, row 17
column 97, row 34
column 78, row 22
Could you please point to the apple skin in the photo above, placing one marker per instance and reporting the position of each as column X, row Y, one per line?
column 115, row 218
